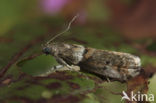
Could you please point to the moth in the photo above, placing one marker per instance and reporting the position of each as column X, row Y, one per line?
column 103, row 63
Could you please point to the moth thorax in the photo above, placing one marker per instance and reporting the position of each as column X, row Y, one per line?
column 74, row 53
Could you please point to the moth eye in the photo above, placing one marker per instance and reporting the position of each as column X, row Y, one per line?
column 107, row 62
column 46, row 50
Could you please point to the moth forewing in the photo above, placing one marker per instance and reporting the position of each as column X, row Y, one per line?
column 116, row 65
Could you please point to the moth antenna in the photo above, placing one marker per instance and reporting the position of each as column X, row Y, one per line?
column 68, row 27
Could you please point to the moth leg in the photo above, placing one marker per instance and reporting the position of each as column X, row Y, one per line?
column 60, row 68
column 52, row 69
column 63, row 68
column 61, row 61
column 108, row 80
column 57, row 67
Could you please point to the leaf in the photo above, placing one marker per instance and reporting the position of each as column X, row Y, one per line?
column 138, row 85
column 37, row 65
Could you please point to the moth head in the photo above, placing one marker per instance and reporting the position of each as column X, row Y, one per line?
column 46, row 50
column 50, row 48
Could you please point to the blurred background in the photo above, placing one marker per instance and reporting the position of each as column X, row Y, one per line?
column 123, row 25
column 135, row 19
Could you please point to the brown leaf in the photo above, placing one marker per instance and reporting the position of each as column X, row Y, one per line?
column 139, row 85
column 135, row 20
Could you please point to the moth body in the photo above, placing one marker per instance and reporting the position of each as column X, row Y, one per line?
column 110, row 64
